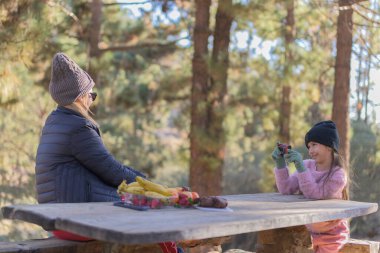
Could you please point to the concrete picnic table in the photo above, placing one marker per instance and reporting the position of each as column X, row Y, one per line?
column 249, row 213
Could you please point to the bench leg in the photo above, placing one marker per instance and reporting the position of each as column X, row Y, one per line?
column 360, row 246
column 286, row 240
column 120, row 248
column 204, row 246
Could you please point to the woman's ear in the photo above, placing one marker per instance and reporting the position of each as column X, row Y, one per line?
column 84, row 101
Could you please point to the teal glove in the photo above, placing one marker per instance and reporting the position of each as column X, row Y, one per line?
column 278, row 158
column 296, row 158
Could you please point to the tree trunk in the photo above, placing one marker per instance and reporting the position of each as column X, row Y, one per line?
column 207, row 139
column 94, row 37
column 359, row 103
column 217, row 93
column 341, row 95
column 367, row 87
column 285, row 109
column 199, row 94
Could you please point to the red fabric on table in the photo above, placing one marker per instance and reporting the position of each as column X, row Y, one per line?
column 168, row 247
column 64, row 235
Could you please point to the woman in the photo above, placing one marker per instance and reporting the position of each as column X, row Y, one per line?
column 72, row 163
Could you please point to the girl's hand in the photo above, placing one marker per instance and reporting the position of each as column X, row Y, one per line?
column 296, row 157
column 278, row 158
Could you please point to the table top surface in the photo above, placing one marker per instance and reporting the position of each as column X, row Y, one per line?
column 250, row 213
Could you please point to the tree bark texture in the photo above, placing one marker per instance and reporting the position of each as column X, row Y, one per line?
column 209, row 85
column 341, row 94
column 285, row 109
column 199, row 92
column 359, row 102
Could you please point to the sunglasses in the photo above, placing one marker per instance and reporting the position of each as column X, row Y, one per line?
column 93, row 95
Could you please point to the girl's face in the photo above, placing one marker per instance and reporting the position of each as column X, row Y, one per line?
column 319, row 152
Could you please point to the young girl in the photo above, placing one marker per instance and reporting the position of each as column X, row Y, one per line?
column 321, row 177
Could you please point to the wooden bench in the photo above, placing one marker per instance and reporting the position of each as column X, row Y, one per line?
column 361, row 246
column 53, row 245
column 297, row 240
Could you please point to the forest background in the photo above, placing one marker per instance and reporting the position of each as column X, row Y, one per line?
column 196, row 92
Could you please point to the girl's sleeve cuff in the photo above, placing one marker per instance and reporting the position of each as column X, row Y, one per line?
column 282, row 173
column 304, row 177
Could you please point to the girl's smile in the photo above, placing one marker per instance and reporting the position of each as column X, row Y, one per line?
column 321, row 154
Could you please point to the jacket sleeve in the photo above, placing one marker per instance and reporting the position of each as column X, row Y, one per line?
column 286, row 184
column 89, row 150
column 331, row 189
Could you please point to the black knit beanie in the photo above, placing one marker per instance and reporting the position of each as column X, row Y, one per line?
column 68, row 80
column 325, row 133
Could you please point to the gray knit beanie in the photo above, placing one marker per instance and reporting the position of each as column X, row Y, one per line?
column 68, row 80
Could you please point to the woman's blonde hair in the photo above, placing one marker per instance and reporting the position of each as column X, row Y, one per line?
column 79, row 106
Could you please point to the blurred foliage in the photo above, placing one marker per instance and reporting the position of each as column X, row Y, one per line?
column 364, row 167
column 144, row 92
column 20, row 125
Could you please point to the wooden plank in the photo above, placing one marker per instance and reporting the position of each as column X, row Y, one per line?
column 31, row 214
column 293, row 239
column 237, row 251
column 361, row 246
column 209, row 242
column 54, row 245
column 50, row 245
column 297, row 240
column 251, row 212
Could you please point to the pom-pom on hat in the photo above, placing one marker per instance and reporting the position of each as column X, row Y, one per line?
column 325, row 133
column 68, row 80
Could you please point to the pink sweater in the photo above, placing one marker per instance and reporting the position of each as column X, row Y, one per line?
column 327, row 236
column 311, row 182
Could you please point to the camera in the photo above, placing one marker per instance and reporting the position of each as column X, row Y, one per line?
column 283, row 148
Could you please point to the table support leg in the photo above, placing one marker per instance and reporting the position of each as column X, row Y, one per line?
column 204, row 249
column 205, row 245
column 285, row 240
column 120, row 248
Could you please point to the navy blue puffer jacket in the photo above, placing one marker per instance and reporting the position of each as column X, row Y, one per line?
column 72, row 163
